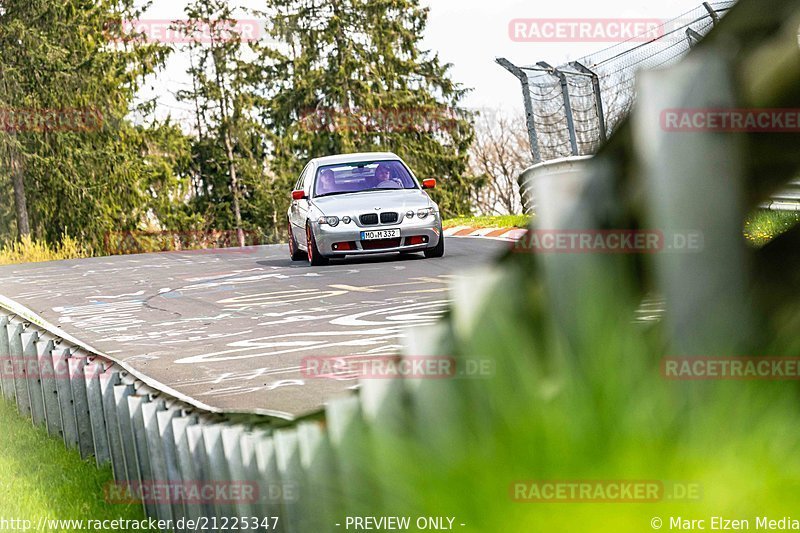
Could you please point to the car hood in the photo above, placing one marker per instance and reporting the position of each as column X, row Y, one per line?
column 366, row 202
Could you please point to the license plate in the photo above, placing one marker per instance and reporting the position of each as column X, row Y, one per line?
column 380, row 234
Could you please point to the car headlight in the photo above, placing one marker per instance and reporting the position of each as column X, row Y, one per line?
column 346, row 220
column 331, row 221
column 423, row 213
column 410, row 214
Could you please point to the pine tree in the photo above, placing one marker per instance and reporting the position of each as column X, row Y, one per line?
column 228, row 150
column 90, row 171
column 350, row 75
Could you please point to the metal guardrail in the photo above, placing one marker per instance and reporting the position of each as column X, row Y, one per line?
column 306, row 472
column 147, row 436
column 787, row 199
column 538, row 176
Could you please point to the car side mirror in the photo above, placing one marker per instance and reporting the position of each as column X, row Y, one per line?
column 429, row 184
column 298, row 195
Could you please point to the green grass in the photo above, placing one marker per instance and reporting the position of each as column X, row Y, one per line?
column 39, row 477
column 586, row 402
column 762, row 226
column 504, row 221
column 27, row 250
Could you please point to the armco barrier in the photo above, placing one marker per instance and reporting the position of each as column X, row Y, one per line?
column 536, row 181
column 305, row 472
column 148, row 436
column 787, row 199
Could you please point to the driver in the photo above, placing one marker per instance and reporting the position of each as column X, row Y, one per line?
column 326, row 182
column 383, row 175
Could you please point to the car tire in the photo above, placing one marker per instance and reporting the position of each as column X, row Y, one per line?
column 314, row 257
column 294, row 252
column 436, row 251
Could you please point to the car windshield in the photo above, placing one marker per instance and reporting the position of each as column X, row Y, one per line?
column 362, row 176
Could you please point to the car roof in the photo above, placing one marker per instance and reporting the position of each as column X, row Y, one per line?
column 354, row 158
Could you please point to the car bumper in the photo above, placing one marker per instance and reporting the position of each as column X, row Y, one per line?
column 330, row 240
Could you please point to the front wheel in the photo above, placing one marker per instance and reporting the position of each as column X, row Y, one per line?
column 294, row 252
column 436, row 251
column 314, row 257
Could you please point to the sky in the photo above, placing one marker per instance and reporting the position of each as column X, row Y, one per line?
column 470, row 34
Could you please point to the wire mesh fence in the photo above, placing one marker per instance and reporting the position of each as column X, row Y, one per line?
column 573, row 107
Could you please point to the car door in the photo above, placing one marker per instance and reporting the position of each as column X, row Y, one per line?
column 302, row 206
column 296, row 215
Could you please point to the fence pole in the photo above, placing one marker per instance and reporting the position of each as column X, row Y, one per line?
column 598, row 97
column 714, row 15
column 573, row 141
column 526, row 98
column 693, row 37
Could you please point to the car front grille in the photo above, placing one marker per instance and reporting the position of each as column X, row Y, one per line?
column 380, row 243
column 388, row 218
column 370, row 219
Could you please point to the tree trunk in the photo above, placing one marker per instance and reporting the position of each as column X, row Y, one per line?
column 20, row 203
column 226, row 125
column 237, row 214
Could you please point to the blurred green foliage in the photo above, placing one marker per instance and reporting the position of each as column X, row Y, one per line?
column 763, row 226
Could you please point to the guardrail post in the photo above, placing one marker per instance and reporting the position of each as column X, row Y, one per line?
column 6, row 364
column 287, row 455
column 198, row 472
column 145, row 473
column 108, row 381
column 693, row 182
column 15, row 330
column 52, row 411
column 232, row 445
column 125, row 428
column 316, row 459
column 77, row 378
column 352, row 448
column 267, row 461
column 33, row 378
column 155, row 452
column 185, row 462
column 217, row 469
column 94, row 396
column 66, row 407
column 167, row 438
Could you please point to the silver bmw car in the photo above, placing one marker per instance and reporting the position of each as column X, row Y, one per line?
column 358, row 204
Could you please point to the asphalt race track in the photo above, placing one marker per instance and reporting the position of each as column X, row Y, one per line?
column 230, row 328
